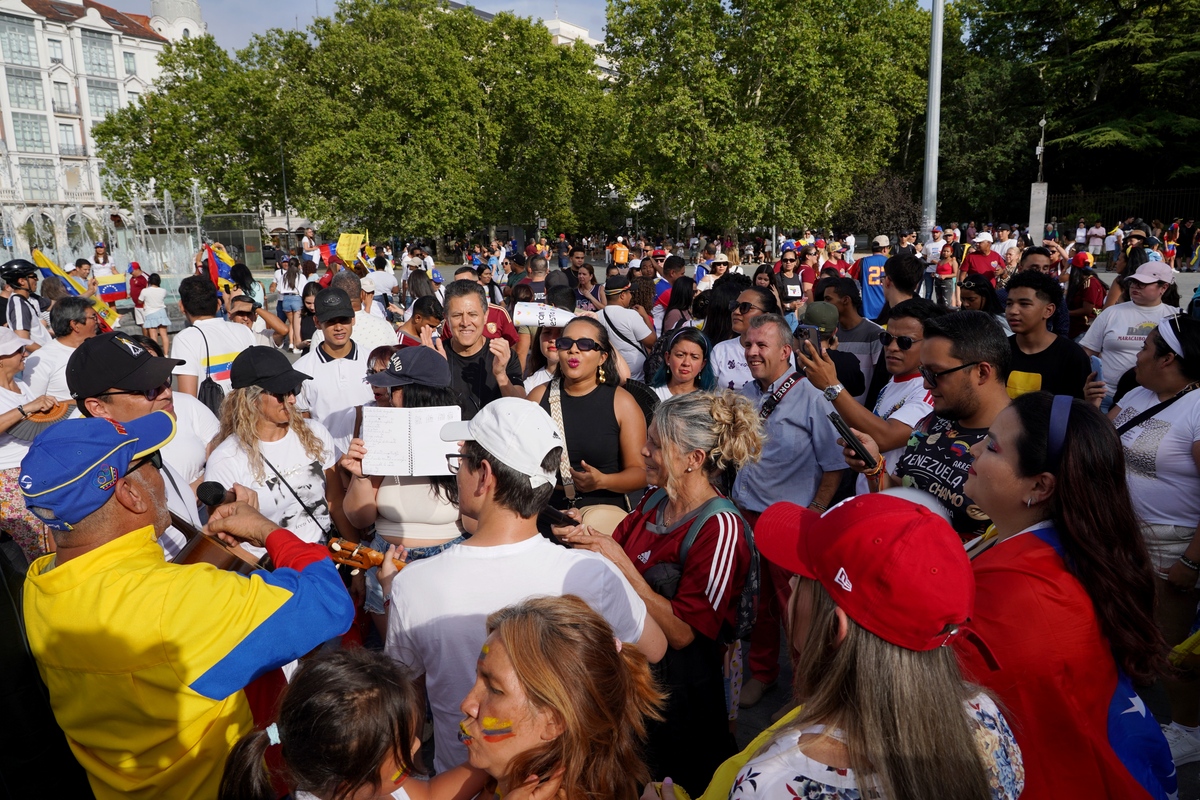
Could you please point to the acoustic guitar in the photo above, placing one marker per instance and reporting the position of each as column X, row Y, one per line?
column 204, row 549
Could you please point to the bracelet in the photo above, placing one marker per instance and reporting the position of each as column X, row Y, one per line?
column 818, row 506
column 24, row 413
column 874, row 473
column 1187, row 562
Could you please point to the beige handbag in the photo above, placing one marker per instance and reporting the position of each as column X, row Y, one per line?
column 603, row 518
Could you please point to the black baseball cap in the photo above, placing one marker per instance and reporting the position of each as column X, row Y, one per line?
column 333, row 304
column 420, row 365
column 267, row 368
column 114, row 361
column 616, row 284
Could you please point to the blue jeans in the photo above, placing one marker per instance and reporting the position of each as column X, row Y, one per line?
column 374, row 600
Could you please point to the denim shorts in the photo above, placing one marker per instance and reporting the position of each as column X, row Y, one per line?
column 291, row 302
column 374, row 600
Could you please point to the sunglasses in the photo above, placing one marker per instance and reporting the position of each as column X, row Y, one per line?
column 283, row 396
column 154, row 459
column 585, row 344
column 149, row 394
column 742, row 308
column 788, row 260
column 931, row 377
column 903, row 342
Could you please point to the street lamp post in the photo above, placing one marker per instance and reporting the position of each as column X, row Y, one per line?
column 933, row 116
column 287, row 212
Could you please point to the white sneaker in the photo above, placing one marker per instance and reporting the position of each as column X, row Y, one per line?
column 1185, row 748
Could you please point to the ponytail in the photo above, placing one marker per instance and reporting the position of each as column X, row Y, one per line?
column 292, row 274
column 246, row 776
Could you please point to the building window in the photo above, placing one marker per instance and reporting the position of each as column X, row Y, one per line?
column 134, row 97
column 32, row 133
column 56, row 51
column 102, row 98
column 98, row 56
column 130, row 64
column 16, row 39
column 187, row 34
column 25, row 89
column 37, row 179
column 68, row 144
column 62, row 97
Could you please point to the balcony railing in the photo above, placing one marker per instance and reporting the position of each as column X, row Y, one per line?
column 8, row 195
column 56, row 59
column 65, row 108
column 82, row 195
column 73, row 150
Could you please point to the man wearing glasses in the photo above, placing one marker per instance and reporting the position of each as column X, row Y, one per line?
column 965, row 360
column 146, row 661
column 117, row 377
column 73, row 321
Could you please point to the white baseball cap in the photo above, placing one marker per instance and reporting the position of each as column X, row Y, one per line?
column 1153, row 272
column 982, row 237
column 620, row 238
column 517, row 432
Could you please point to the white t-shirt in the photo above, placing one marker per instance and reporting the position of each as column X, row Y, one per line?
column 1080, row 235
column 337, row 383
column 1001, row 248
column 729, row 364
column 626, row 323
column 904, row 400
column 46, row 370
column 12, row 449
column 154, row 298
column 1163, row 479
column 1118, row 333
column 229, row 464
column 440, row 605
column 309, row 246
column 1110, row 243
column 369, row 332
column 225, row 342
column 385, row 281
column 781, row 769
column 281, row 283
column 102, row 269
column 537, row 379
column 195, row 427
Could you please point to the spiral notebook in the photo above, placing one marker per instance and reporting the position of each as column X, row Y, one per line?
column 407, row 441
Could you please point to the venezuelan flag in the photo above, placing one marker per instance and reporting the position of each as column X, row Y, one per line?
column 217, row 367
column 219, row 263
column 111, row 288
column 327, row 250
column 47, row 267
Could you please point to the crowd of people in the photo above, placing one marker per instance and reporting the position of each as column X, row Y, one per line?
column 955, row 486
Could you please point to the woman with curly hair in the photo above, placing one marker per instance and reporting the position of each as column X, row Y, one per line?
column 559, row 701
column 265, row 445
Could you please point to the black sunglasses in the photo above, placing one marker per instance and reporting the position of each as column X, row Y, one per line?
column 149, row 394
column 931, row 377
column 585, row 344
column 903, row 342
column 788, row 260
column 742, row 308
column 154, row 459
column 283, row 396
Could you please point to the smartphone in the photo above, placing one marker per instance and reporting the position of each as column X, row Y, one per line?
column 852, row 441
column 1097, row 367
column 807, row 333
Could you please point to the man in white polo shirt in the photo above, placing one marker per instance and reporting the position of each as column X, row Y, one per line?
column 338, row 366
column 73, row 321
column 369, row 331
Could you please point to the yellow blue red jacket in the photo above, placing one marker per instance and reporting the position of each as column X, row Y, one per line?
column 146, row 660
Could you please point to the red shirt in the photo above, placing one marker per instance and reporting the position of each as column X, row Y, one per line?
column 404, row 340
column 498, row 326
column 714, row 571
column 136, row 284
column 985, row 265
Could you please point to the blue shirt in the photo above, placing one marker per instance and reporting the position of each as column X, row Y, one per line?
column 800, row 447
column 870, row 279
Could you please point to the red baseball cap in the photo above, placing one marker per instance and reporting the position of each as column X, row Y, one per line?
column 658, row 253
column 895, row 567
column 1081, row 259
column 820, row 243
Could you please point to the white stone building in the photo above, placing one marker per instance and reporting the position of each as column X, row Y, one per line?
column 66, row 66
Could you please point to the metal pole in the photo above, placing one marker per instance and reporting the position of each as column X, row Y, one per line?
column 287, row 213
column 933, row 117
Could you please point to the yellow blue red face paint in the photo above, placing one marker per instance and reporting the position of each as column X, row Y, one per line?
column 497, row 730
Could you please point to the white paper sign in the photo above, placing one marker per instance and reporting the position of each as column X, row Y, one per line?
column 540, row 315
column 407, row 441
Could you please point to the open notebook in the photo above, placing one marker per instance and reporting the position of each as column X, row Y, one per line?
column 407, row 441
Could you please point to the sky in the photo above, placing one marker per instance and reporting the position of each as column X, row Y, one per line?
column 232, row 22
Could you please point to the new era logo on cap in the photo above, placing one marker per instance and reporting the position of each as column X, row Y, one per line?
column 843, row 580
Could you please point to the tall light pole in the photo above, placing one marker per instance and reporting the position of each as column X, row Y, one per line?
column 287, row 213
column 933, row 117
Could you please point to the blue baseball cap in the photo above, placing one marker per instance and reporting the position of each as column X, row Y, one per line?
column 72, row 467
column 437, row 277
column 788, row 246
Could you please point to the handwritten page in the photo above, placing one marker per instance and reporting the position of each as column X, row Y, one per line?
column 407, row 441
column 540, row 315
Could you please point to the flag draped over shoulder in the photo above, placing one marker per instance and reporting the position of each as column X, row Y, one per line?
column 108, row 315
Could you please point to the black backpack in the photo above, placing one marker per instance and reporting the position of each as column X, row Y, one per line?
column 664, row 578
column 209, row 392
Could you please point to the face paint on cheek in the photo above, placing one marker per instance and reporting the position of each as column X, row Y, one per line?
column 497, row 730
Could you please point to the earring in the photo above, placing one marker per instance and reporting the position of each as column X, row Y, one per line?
column 600, row 373
column 689, row 469
column 1028, row 502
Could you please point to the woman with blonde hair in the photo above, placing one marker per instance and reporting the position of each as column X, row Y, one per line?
column 688, row 554
column 558, row 699
column 265, row 445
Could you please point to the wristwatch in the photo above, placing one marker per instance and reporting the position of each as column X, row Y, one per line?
column 831, row 392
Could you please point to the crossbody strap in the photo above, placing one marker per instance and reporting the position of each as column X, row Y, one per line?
column 303, row 504
column 564, row 459
column 772, row 402
column 206, row 355
column 1150, row 412
column 620, row 335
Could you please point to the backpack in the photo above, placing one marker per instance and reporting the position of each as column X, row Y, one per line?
column 658, row 353
column 209, row 392
column 664, row 578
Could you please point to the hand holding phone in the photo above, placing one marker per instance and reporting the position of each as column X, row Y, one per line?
column 860, row 451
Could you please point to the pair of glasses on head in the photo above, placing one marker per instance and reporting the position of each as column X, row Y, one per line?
column 149, row 394
column 903, row 342
column 931, row 377
column 584, row 344
column 742, row 308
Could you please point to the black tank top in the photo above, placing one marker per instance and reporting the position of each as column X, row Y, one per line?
column 593, row 435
